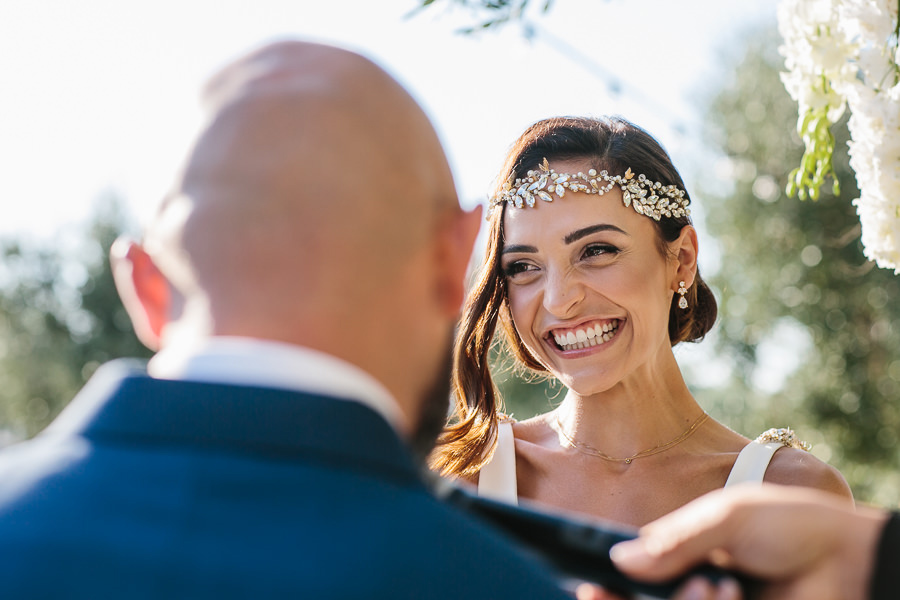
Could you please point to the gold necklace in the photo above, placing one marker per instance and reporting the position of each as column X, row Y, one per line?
column 588, row 449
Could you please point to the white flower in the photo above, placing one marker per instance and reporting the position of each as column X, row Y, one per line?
column 844, row 53
column 865, row 19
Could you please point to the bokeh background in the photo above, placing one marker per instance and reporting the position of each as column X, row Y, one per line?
column 100, row 99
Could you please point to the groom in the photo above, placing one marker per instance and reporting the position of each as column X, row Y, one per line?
column 300, row 283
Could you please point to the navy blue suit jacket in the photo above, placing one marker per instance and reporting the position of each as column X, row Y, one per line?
column 161, row 489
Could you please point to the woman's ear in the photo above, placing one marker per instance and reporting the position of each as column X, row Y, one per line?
column 684, row 254
column 143, row 288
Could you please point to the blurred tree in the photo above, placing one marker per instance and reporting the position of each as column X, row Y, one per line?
column 60, row 318
column 812, row 328
column 524, row 393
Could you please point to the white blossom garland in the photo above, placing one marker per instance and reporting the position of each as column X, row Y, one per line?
column 844, row 53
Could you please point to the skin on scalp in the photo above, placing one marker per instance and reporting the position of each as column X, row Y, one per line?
column 268, row 232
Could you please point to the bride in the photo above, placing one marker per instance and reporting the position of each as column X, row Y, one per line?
column 591, row 273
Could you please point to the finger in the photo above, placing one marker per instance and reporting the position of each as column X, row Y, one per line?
column 700, row 588
column 652, row 560
column 649, row 559
column 697, row 588
column 728, row 589
column 589, row 591
column 670, row 546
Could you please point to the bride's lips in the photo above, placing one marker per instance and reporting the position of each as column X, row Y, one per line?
column 586, row 335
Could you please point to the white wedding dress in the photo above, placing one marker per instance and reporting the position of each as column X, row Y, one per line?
column 497, row 479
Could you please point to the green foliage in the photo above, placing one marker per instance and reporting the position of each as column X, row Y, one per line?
column 797, row 270
column 524, row 393
column 806, row 180
column 60, row 318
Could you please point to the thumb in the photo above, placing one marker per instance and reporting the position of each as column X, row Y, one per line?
column 690, row 536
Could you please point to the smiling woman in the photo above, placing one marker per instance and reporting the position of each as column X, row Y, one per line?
column 591, row 272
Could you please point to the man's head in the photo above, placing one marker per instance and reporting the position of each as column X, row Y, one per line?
column 317, row 208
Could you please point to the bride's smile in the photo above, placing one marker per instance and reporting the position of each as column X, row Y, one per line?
column 591, row 302
column 594, row 334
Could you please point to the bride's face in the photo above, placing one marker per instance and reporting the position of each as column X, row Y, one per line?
column 589, row 289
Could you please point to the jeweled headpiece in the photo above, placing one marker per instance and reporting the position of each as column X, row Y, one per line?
column 649, row 198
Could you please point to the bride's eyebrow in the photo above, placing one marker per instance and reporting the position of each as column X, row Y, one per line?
column 518, row 248
column 585, row 231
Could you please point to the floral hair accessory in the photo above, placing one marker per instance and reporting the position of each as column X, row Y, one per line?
column 650, row 198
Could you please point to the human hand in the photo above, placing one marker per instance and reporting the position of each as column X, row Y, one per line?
column 805, row 544
column 590, row 591
column 696, row 588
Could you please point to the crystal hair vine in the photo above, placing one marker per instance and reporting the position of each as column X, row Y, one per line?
column 650, row 198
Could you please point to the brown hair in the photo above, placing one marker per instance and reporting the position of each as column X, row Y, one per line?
column 615, row 145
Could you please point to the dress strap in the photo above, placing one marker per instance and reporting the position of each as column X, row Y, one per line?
column 752, row 462
column 754, row 459
column 497, row 478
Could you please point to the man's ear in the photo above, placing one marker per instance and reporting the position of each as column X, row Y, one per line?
column 455, row 243
column 143, row 288
column 684, row 253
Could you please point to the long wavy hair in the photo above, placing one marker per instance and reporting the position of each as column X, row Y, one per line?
column 615, row 145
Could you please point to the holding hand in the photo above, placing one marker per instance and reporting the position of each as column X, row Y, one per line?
column 697, row 588
column 806, row 545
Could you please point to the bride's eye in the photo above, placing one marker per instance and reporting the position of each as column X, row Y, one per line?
column 599, row 250
column 518, row 267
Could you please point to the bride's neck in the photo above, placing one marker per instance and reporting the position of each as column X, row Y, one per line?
column 627, row 419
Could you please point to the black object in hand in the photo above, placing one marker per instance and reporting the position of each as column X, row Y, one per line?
column 578, row 549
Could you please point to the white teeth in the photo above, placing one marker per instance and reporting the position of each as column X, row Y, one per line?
column 586, row 338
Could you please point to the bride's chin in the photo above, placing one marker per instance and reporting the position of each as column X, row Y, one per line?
column 586, row 391
column 585, row 386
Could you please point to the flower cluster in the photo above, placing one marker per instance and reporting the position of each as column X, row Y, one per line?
column 844, row 53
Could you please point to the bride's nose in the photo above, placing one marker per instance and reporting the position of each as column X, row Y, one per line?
column 562, row 293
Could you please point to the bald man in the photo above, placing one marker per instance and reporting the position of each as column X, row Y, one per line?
column 300, row 284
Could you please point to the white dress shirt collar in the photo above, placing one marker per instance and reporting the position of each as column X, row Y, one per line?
column 264, row 363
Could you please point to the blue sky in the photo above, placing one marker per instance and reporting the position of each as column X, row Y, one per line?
column 101, row 95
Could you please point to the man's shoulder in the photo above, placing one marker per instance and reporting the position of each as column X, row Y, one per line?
column 35, row 486
column 315, row 521
column 485, row 564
